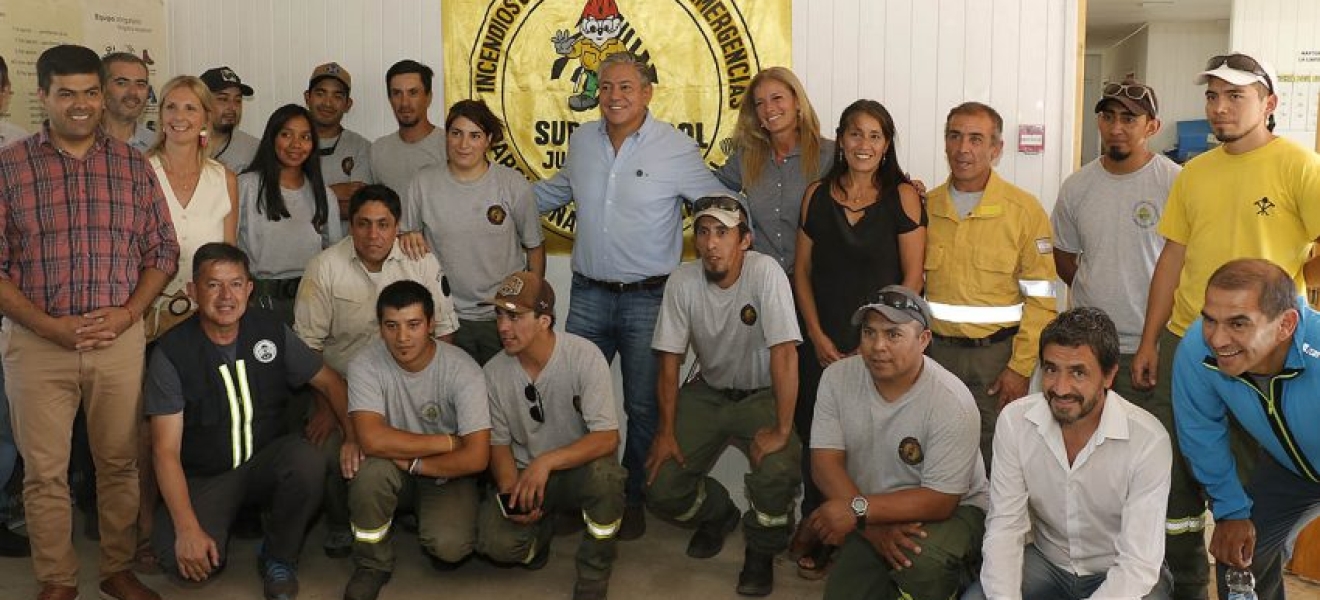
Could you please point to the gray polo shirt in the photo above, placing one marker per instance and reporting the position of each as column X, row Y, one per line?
column 577, row 396
column 928, row 437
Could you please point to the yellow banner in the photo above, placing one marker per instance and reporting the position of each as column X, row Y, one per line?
column 534, row 62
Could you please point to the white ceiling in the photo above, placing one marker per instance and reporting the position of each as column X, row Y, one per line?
column 1109, row 21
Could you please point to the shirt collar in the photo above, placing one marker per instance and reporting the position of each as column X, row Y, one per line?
column 396, row 253
column 44, row 138
column 1113, row 421
column 641, row 129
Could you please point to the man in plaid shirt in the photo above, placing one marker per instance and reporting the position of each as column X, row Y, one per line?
column 86, row 246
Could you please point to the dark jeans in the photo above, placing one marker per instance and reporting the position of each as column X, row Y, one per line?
column 1280, row 499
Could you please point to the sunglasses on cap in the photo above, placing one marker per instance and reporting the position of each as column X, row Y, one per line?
column 1135, row 91
column 902, row 302
column 1240, row 62
column 537, row 409
column 717, row 202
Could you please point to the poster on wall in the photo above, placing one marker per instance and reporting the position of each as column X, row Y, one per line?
column 535, row 65
column 29, row 27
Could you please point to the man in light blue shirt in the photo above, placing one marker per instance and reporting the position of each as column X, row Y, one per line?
column 628, row 174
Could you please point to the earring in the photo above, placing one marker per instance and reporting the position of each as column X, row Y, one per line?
column 201, row 138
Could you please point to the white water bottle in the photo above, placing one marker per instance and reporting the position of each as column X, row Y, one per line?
column 1241, row 584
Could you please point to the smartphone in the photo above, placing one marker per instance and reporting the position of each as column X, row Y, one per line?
column 506, row 506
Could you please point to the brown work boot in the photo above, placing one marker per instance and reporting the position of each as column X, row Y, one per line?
column 53, row 591
column 124, row 585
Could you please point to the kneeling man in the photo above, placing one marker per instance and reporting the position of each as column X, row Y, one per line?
column 217, row 387
column 1082, row 470
column 895, row 451
column 735, row 309
column 555, row 432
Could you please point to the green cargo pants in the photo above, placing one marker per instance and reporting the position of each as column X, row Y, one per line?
column 944, row 567
column 446, row 513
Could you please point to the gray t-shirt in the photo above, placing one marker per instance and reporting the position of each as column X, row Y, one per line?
column 964, row 201
column 349, row 160
column 238, row 153
column 480, row 230
column 1109, row 222
column 927, row 438
column 164, row 390
column 577, row 397
column 732, row 329
column 395, row 162
column 448, row 396
column 280, row 249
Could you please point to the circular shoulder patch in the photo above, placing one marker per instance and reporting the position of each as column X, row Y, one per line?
column 495, row 214
column 748, row 315
column 264, row 351
column 1145, row 215
column 909, row 450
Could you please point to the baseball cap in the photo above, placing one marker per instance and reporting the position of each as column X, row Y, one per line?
column 1133, row 95
column 522, row 292
column 331, row 70
column 220, row 78
column 1238, row 69
column 898, row 304
column 724, row 208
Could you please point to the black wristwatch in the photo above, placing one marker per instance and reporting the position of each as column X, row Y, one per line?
column 859, row 505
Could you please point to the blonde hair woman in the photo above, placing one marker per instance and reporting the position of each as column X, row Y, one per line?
column 202, row 194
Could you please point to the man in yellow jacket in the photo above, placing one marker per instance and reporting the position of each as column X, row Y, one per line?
column 989, row 268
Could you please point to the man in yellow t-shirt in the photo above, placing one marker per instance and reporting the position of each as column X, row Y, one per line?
column 1244, row 199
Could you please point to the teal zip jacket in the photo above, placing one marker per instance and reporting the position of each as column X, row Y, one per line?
column 1283, row 415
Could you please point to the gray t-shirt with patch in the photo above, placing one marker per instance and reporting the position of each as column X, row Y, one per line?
column 480, row 230
column 395, row 162
column 1109, row 221
column 928, row 437
column 349, row 160
column 577, row 397
column 448, row 396
column 281, row 249
column 732, row 329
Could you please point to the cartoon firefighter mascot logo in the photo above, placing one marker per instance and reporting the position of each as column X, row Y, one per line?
column 597, row 37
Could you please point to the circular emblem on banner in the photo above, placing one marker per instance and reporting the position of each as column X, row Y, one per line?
column 430, row 412
column 264, row 351
column 347, row 165
column 909, row 450
column 1145, row 215
column 537, row 65
column 495, row 214
column 748, row 315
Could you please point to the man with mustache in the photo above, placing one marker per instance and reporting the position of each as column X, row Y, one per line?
column 226, row 142
column 126, row 91
column 345, row 155
column 397, row 156
column 334, row 314
column 1085, row 471
column 1252, row 356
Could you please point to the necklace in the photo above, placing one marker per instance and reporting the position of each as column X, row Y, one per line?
column 183, row 182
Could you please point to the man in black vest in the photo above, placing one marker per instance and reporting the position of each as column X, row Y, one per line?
column 217, row 386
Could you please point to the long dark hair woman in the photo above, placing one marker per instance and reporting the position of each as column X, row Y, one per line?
column 285, row 216
column 863, row 227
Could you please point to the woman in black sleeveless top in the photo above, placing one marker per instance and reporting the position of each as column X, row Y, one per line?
column 863, row 227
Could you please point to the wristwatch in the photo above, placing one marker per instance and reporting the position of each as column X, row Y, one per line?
column 859, row 505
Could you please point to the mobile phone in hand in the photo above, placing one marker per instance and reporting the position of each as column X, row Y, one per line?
column 506, row 506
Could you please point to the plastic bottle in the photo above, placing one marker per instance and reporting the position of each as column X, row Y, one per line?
column 1241, row 584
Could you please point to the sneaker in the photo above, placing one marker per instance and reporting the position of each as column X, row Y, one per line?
column 14, row 545
column 709, row 537
column 634, row 523
column 124, row 585
column 594, row 589
column 279, row 580
column 51, row 591
column 365, row 584
column 338, row 543
column 758, row 574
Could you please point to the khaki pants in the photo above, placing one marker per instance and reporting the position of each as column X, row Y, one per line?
column 446, row 513
column 595, row 488
column 46, row 384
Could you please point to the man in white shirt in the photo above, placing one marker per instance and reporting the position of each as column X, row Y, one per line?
column 1083, row 470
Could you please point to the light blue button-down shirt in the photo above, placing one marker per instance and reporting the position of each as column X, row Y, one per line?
column 629, row 219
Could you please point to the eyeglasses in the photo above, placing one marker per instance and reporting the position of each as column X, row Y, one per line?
column 537, row 409
column 717, row 202
column 1240, row 62
column 902, row 302
column 1135, row 91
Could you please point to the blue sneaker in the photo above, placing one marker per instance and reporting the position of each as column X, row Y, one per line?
column 279, row 579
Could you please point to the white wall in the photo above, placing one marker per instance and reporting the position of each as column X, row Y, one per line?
column 1126, row 57
column 918, row 57
column 1280, row 31
column 1175, row 53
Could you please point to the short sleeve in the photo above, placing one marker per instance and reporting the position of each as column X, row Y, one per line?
column 302, row 363
column 164, row 390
